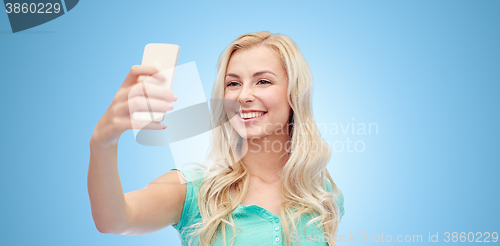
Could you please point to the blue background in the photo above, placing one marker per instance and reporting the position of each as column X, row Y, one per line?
column 426, row 72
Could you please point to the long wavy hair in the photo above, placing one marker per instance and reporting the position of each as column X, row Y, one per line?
column 304, row 174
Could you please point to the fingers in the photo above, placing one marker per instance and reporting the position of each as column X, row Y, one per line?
column 142, row 104
column 117, row 118
column 127, row 123
column 151, row 90
column 138, row 70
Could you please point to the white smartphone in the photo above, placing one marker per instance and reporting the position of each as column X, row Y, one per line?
column 164, row 58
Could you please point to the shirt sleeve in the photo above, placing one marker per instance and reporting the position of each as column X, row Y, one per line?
column 187, row 205
column 190, row 211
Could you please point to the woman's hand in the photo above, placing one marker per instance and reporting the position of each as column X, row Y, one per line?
column 131, row 98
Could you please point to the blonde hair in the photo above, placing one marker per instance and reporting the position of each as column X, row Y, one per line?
column 304, row 174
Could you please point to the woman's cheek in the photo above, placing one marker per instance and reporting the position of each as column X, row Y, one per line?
column 228, row 94
column 270, row 99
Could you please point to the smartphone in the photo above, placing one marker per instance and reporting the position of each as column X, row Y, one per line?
column 164, row 58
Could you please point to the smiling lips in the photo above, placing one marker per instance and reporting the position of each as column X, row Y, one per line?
column 250, row 115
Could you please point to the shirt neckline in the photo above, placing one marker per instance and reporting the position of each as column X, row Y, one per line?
column 256, row 209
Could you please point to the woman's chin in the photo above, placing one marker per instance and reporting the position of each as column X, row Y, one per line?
column 249, row 136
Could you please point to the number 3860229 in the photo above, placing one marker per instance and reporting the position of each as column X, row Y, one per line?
column 33, row 8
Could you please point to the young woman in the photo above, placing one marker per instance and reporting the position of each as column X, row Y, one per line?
column 266, row 181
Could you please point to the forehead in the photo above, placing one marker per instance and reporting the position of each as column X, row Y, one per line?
column 254, row 59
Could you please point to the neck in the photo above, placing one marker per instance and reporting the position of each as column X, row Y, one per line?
column 265, row 157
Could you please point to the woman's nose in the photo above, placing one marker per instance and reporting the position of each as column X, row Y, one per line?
column 246, row 95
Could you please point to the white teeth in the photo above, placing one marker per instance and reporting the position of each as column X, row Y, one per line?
column 250, row 115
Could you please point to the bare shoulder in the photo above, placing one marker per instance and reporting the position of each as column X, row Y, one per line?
column 173, row 177
column 157, row 205
column 171, row 187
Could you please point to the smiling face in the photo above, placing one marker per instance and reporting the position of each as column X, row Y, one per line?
column 256, row 79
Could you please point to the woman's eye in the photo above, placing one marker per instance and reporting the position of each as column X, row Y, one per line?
column 264, row 81
column 232, row 84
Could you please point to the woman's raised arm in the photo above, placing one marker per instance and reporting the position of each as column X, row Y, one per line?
column 143, row 211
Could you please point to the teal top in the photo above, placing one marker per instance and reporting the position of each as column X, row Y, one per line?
column 252, row 220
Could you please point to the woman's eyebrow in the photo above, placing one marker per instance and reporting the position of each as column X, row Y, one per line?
column 255, row 74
